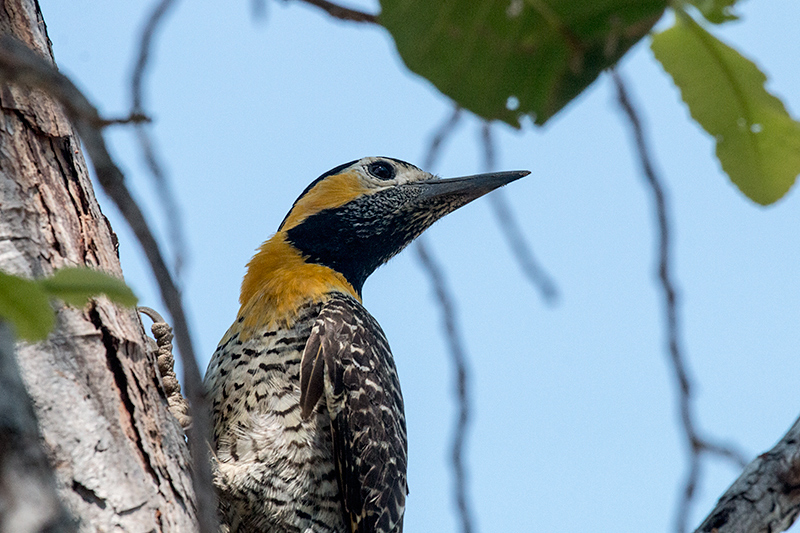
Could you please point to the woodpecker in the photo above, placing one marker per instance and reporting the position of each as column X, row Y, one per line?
column 309, row 429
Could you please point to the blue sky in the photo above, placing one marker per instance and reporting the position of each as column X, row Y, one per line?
column 575, row 425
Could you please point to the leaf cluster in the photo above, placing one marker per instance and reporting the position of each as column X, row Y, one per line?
column 517, row 58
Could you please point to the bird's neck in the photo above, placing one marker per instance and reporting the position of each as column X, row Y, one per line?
column 279, row 281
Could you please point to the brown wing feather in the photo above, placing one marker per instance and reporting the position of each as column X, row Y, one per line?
column 312, row 383
column 365, row 404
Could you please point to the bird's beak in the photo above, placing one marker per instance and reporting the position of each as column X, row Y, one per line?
column 453, row 193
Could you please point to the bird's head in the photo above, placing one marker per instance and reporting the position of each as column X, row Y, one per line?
column 356, row 216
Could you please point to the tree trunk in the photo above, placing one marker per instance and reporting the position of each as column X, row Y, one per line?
column 119, row 458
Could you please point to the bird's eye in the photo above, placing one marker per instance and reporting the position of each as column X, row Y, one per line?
column 381, row 170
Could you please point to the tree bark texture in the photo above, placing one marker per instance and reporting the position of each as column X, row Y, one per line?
column 28, row 498
column 766, row 497
column 119, row 458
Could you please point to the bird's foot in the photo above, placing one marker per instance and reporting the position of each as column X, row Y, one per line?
column 162, row 345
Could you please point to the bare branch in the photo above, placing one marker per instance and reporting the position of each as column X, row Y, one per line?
column 133, row 118
column 766, row 497
column 343, row 13
column 442, row 133
column 165, row 195
column 20, row 65
column 145, row 45
column 258, row 9
column 688, row 491
column 28, row 497
column 696, row 445
column 511, row 230
column 453, row 336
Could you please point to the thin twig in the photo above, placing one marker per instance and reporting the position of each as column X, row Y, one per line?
column 145, row 45
column 344, row 13
column 511, row 229
column 165, row 194
column 133, row 118
column 453, row 336
column 21, row 65
column 442, row 133
column 258, row 9
column 696, row 445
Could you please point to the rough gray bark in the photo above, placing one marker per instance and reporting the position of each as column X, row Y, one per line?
column 119, row 458
column 28, row 499
column 766, row 497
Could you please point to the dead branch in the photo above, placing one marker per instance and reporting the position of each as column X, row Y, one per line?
column 344, row 13
column 165, row 195
column 458, row 354
column 511, row 230
column 696, row 445
column 453, row 337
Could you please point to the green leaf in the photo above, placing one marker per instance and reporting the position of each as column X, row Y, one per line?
column 26, row 306
column 758, row 143
column 716, row 11
column 76, row 285
column 503, row 60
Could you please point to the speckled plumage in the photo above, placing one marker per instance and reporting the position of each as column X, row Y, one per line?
column 276, row 471
column 309, row 430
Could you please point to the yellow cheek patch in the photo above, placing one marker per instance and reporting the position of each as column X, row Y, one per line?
column 329, row 193
column 279, row 281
